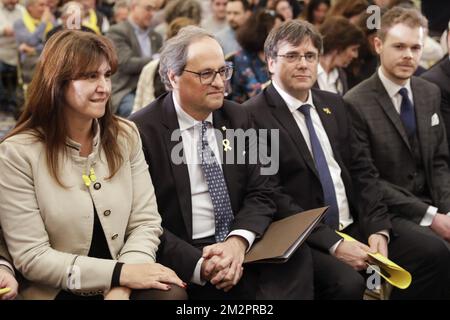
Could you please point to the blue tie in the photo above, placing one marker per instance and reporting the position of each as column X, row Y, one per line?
column 407, row 114
column 329, row 194
column 217, row 187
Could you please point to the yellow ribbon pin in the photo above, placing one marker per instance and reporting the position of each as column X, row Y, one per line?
column 327, row 110
column 226, row 145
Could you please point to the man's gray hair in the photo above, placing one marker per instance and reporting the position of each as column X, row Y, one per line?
column 175, row 50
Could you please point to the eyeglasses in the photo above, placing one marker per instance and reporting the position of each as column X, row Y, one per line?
column 207, row 77
column 294, row 57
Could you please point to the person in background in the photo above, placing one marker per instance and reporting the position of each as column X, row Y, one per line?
column 316, row 11
column 10, row 11
column 251, row 74
column 284, row 9
column 216, row 21
column 190, row 9
column 350, row 9
column 150, row 85
column 136, row 44
column 70, row 19
column 93, row 18
column 439, row 74
column 30, row 33
column 77, row 206
column 120, row 11
column 341, row 42
column 238, row 11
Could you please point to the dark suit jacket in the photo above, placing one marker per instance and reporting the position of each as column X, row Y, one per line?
column 131, row 61
column 250, row 193
column 297, row 173
column 439, row 74
column 381, row 135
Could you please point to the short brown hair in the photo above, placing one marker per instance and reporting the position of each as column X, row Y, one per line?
column 339, row 33
column 409, row 16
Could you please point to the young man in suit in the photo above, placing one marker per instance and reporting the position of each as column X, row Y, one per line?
column 398, row 126
column 316, row 162
column 439, row 74
column 211, row 214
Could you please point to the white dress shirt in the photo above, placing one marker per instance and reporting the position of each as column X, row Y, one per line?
column 203, row 219
column 392, row 90
column 328, row 81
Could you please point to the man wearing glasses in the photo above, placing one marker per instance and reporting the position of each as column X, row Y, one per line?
column 314, row 156
column 211, row 213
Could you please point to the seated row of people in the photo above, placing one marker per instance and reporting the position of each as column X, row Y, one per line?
column 102, row 205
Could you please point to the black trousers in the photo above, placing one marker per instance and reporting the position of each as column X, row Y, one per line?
column 334, row 279
column 425, row 255
column 292, row 279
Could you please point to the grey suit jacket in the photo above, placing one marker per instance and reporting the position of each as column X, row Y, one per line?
column 380, row 132
column 130, row 58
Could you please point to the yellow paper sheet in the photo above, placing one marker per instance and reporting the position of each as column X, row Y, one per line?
column 395, row 275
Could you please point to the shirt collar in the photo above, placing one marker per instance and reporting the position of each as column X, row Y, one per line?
column 185, row 121
column 329, row 77
column 391, row 87
column 292, row 102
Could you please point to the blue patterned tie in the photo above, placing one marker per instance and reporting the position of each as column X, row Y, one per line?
column 217, row 187
column 407, row 113
column 329, row 194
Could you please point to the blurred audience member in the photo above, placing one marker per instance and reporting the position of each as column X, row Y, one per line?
column 284, row 9
column 136, row 44
column 70, row 18
column 316, row 11
column 10, row 12
column 350, row 9
column 250, row 72
column 238, row 11
column 179, row 8
column 120, row 11
column 93, row 18
column 341, row 42
column 150, row 85
column 216, row 21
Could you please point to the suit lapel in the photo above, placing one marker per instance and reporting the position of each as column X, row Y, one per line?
column 423, row 120
column 180, row 172
column 134, row 41
column 284, row 116
column 386, row 103
column 327, row 119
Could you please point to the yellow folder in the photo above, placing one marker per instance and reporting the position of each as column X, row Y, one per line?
column 389, row 270
column 4, row 290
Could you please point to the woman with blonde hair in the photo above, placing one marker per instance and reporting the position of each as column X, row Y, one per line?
column 77, row 205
